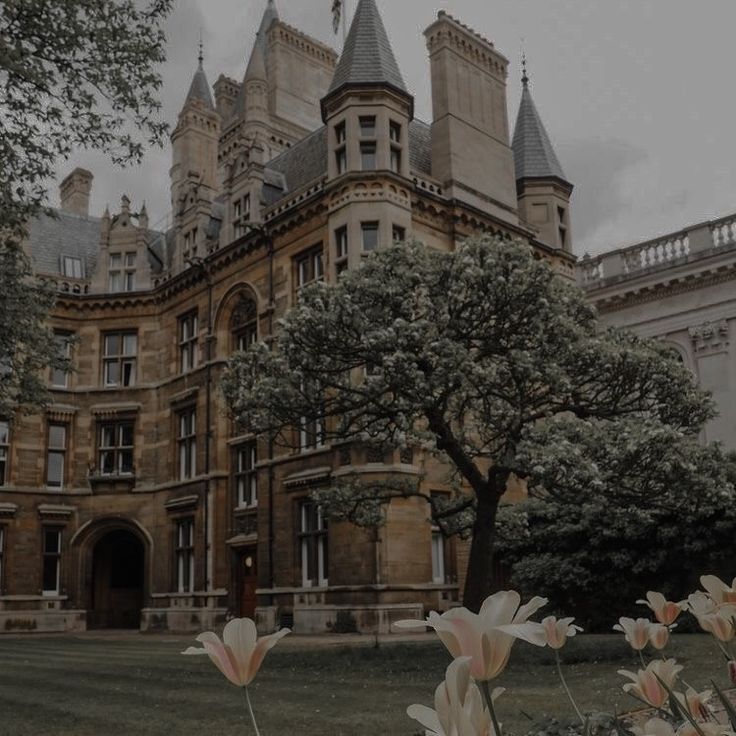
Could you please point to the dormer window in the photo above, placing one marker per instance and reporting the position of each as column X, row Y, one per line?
column 121, row 272
column 72, row 267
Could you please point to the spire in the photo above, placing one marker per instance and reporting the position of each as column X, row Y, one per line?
column 200, row 87
column 524, row 75
column 270, row 16
column 367, row 57
column 534, row 155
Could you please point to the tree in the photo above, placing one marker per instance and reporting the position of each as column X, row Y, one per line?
column 77, row 74
column 483, row 356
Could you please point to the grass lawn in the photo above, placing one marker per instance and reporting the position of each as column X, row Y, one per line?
column 137, row 685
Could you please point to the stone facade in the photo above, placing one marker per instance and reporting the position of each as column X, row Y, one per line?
column 132, row 501
column 679, row 289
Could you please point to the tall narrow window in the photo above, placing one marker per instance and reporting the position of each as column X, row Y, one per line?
column 119, row 361
column 121, row 272
column 187, row 443
column 115, row 448
column 398, row 234
column 395, row 160
column 313, row 545
column 438, row 556
column 237, row 222
column 370, row 236
column 2, row 558
column 340, row 134
column 394, row 130
column 188, row 326
column 367, row 156
column 56, row 455
column 51, row 561
column 59, row 377
column 184, row 555
column 309, row 267
column 244, row 323
column 311, row 432
column 341, row 250
column 246, row 478
column 368, row 126
column 4, row 452
column 341, row 160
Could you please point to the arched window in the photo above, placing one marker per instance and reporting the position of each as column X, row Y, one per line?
column 244, row 323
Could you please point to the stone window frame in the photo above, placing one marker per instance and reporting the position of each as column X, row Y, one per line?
column 55, row 450
column 188, row 329
column 244, row 322
column 5, row 438
column 191, row 244
column 245, row 475
column 64, row 339
column 121, row 273
column 118, row 448
column 309, row 267
column 186, row 442
column 184, row 557
column 342, row 253
column 396, row 150
column 51, row 556
column 68, row 266
column 121, row 358
column 312, row 544
column 371, row 226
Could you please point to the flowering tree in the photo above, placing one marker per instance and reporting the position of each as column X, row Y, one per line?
column 482, row 356
column 74, row 74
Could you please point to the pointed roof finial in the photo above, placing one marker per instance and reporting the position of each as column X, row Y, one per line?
column 201, row 48
column 524, row 75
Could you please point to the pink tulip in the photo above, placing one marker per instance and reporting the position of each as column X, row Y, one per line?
column 720, row 624
column 666, row 612
column 695, row 703
column 718, row 590
column 637, row 632
column 241, row 653
column 459, row 708
column 659, row 635
column 477, row 635
column 646, row 684
column 551, row 632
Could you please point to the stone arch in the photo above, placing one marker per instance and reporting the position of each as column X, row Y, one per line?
column 236, row 319
column 86, row 543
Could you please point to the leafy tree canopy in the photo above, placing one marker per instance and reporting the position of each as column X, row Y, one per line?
column 74, row 74
column 482, row 356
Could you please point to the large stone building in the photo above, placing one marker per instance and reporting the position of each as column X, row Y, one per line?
column 679, row 288
column 132, row 501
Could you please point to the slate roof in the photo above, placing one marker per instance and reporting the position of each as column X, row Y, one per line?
column 200, row 88
column 68, row 234
column 307, row 160
column 534, row 155
column 367, row 57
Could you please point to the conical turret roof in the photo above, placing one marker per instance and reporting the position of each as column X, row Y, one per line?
column 534, row 155
column 200, row 88
column 367, row 58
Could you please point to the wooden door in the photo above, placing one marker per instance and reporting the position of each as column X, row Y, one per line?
column 248, row 583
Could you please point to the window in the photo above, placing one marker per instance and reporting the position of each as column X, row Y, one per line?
column 190, row 245
column 341, row 250
column 370, row 236
column 246, row 478
column 188, row 326
column 394, row 130
column 341, row 160
column 187, row 443
column 121, row 273
column 59, row 377
column 368, row 126
column 244, row 323
column 120, row 358
column 237, row 223
column 311, row 433
column 184, row 554
column 51, row 560
column 398, row 234
column 4, row 452
column 2, row 552
column 56, row 455
column 340, row 133
column 309, row 268
column 313, row 545
column 368, row 156
column 115, row 448
column 72, row 267
column 438, row 556
column 395, row 160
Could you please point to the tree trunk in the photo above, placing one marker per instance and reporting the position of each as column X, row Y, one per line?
column 479, row 581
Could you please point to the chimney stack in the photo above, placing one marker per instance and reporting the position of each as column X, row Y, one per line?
column 75, row 191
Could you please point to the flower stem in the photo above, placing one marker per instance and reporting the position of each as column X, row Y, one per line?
column 567, row 689
column 641, row 658
column 485, row 688
column 250, row 710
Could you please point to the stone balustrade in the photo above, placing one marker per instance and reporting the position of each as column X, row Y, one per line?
column 658, row 253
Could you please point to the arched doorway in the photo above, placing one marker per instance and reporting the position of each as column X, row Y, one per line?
column 118, row 576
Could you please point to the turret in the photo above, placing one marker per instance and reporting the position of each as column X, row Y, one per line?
column 542, row 187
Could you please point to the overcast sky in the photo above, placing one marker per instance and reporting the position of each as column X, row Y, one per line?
column 637, row 96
